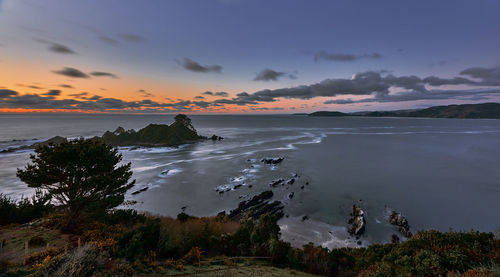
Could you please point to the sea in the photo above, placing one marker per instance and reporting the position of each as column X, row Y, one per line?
column 441, row 174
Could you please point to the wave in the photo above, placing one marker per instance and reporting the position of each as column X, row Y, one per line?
column 299, row 233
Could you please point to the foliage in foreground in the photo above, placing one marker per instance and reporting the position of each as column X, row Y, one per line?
column 82, row 176
column 125, row 243
column 24, row 210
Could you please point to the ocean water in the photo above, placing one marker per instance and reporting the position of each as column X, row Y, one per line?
column 440, row 173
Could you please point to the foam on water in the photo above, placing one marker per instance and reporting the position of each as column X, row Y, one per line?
column 299, row 233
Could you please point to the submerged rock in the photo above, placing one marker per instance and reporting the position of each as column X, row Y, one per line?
column 272, row 160
column 399, row 220
column 140, row 190
column 291, row 181
column 290, row 196
column 357, row 221
column 258, row 206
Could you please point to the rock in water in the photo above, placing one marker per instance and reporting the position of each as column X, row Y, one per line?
column 276, row 182
column 357, row 221
column 214, row 137
column 119, row 130
column 258, row 206
column 272, row 160
column 52, row 141
column 140, row 190
column 399, row 220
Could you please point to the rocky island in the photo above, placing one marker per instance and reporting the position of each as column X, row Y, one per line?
column 181, row 131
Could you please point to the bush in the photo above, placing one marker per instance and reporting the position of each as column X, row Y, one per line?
column 25, row 210
column 37, row 240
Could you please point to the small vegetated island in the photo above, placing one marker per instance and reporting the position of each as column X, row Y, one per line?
column 181, row 131
column 485, row 110
column 72, row 226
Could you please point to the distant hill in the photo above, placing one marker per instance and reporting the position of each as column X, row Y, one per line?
column 485, row 110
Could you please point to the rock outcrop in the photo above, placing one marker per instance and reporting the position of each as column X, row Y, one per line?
column 179, row 132
column 399, row 220
column 258, row 206
column 277, row 182
column 357, row 221
column 52, row 141
column 272, row 160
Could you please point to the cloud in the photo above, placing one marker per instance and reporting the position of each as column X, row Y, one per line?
column 487, row 76
column 79, row 95
column 145, row 93
column 196, row 67
column 109, row 40
column 378, row 86
column 131, row 37
column 221, row 94
column 466, row 94
column 266, row 109
column 66, row 86
column 336, row 57
column 340, row 101
column 199, row 97
column 272, row 75
column 56, row 47
column 103, row 74
column 53, row 92
column 6, row 93
column 364, row 87
column 217, row 94
column 71, row 72
column 12, row 99
column 30, row 86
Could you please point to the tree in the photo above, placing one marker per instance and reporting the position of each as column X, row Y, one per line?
column 82, row 176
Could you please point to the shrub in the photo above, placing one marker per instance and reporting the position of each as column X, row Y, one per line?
column 24, row 210
column 83, row 176
column 37, row 240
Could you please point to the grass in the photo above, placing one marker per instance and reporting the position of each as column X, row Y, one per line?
column 14, row 237
column 235, row 270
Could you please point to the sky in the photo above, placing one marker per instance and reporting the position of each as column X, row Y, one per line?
column 246, row 56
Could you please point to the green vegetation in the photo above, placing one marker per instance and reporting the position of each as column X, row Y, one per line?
column 81, row 176
column 24, row 210
column 485, row 110
column 179, row 132
column 110, row 242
